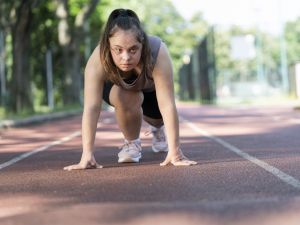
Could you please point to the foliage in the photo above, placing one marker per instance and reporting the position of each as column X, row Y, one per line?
column 270, row 57
column 164, row 21
column 44, row 38
column 292, row 36
column 159, row 17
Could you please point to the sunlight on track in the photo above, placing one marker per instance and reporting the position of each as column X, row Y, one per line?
column 271, row 169
column 40, row 149
column 11, row 211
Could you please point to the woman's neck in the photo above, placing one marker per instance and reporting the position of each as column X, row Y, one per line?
column 125, row 74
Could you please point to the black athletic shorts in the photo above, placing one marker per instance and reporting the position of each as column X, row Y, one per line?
column 149, row 106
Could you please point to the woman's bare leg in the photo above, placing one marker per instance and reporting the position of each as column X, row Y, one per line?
column 154, row 122
column 128, row 111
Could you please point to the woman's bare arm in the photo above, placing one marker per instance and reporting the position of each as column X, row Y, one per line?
column 163, row 78
column 93, row 88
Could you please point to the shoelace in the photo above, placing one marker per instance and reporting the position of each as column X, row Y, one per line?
column 127, row 146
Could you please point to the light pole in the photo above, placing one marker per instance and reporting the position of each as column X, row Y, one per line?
column 258, row 47
column 283, row 52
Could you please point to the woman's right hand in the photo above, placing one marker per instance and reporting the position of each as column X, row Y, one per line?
column 85, row 163
column 177, row 159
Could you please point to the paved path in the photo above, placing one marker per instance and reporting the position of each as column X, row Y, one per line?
column 248, row 172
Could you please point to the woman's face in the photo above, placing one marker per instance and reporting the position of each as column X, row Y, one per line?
column 125, row 49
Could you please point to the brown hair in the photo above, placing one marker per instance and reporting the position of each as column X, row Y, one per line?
column 124, row 19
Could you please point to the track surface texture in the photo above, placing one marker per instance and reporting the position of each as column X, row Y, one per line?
column 248, row 172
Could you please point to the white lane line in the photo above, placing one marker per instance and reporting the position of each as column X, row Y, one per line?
column 40, row 149
column 273, row 170
column 295, row 121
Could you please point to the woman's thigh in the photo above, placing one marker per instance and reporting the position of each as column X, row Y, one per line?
column 147, row 100
column 118, row 96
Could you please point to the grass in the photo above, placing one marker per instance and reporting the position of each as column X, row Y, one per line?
column 262, row 101
column 41, row 110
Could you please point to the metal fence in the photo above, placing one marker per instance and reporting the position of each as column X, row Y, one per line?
column 197, row 78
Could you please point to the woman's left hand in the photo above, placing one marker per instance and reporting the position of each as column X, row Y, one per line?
column 177, row 159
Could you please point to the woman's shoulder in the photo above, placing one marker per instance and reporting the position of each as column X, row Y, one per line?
column 154, row 45
column 153, row 39
column 94, row 65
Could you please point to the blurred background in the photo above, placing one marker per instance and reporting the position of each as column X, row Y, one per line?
column 224, row 52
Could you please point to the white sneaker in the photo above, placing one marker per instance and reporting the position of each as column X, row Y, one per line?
column 131, row 152
column 159, row 143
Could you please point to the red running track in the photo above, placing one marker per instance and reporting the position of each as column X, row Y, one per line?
column 248, row 172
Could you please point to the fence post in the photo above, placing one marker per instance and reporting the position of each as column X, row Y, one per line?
column 2, row 66
column 49, row 74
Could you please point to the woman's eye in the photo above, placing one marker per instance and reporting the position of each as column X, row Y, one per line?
column 117, row 50
column 134, row 50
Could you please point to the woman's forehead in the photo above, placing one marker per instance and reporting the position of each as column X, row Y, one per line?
column 124, row 38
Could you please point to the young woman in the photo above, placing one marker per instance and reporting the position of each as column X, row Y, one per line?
column 132, row 72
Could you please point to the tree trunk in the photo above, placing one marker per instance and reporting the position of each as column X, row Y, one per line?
column 2, row 68
column 21, row 90
column 70, row 39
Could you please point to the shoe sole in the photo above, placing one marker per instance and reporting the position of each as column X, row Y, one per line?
column 157, row 150
column 129, row 160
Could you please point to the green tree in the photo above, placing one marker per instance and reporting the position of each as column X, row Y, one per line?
column 20, row 88
column 292, row 37
column 161, row 18
column 44, row 38
column 72, row 16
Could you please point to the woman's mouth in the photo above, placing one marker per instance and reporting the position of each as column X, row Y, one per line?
column 125, row 66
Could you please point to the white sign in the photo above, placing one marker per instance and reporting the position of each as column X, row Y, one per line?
column 243, row 47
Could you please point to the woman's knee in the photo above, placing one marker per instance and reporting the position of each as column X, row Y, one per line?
column 120, row 97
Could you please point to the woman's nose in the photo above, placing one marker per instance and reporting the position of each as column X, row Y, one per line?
column 125, row 56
